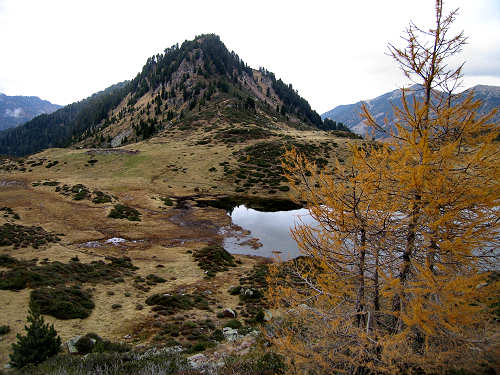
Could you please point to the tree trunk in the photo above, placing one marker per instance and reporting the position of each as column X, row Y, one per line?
column 376, row 292
column 360, row 320
column 399, row 298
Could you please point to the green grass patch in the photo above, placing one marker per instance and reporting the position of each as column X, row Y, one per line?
column 242, row 134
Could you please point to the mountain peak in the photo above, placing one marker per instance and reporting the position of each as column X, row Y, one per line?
column 197, row 82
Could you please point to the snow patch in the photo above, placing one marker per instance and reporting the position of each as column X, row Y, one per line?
column 116, row 240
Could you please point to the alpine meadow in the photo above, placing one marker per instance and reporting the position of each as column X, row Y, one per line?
column 203, row 218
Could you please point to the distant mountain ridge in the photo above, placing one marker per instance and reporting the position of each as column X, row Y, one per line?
column 381, row 106
column 16, row 110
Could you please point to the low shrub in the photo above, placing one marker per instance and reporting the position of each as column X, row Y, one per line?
column 235, row 290
column 217, row 335
column 170, row 304
column 80, row 192
column 8, row 261
column 84, row 345
column 106, row 346
column 251, row 294
column 4, row 330
column 213, row 259
column 159, row 363
column 153, row 279
column 63, row 302
column 50, row 183
column 100, row 197
column 254, row 363
column 200, row 346
column 93, row 343
column 52, row 164
column 24, row 236
column 233, row 323
column 121, row 211
column 9, row 213
column 24, row 274
column 167, row 201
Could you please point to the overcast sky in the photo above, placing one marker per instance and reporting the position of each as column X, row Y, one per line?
column 333, row 52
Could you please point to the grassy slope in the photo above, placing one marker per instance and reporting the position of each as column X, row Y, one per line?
column 172, row 164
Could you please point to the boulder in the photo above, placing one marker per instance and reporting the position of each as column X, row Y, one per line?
column 229, row 313
column 230, row 334
column 197, row 361
column 71, row 344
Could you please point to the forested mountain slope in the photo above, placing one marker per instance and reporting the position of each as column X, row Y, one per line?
column 198, row 80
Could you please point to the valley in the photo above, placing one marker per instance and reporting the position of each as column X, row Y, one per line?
column 150, row 224
column 168, row 179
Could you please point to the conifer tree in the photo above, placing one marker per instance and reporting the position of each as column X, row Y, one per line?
column 40, row 342
column 399, row 273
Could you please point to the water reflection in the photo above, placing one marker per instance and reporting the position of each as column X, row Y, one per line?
column 271, row 228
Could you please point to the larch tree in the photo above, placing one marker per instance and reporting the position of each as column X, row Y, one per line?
column 400, row 271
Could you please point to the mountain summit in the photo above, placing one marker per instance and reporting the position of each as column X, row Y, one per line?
column 197, row 84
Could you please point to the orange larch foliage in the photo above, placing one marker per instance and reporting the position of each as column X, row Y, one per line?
column 400, row 272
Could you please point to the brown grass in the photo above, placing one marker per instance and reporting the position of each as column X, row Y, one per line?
column 165, row 166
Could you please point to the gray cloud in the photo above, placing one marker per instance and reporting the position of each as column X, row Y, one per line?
column 16, row 112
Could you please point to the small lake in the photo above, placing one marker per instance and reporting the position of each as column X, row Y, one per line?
column 272, row 229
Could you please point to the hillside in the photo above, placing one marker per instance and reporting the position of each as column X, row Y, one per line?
column 16, row 110
column 199, row 80
column 381, row 106
column 128, row 211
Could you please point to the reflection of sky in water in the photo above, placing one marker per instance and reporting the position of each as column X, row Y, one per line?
column 271, row 228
